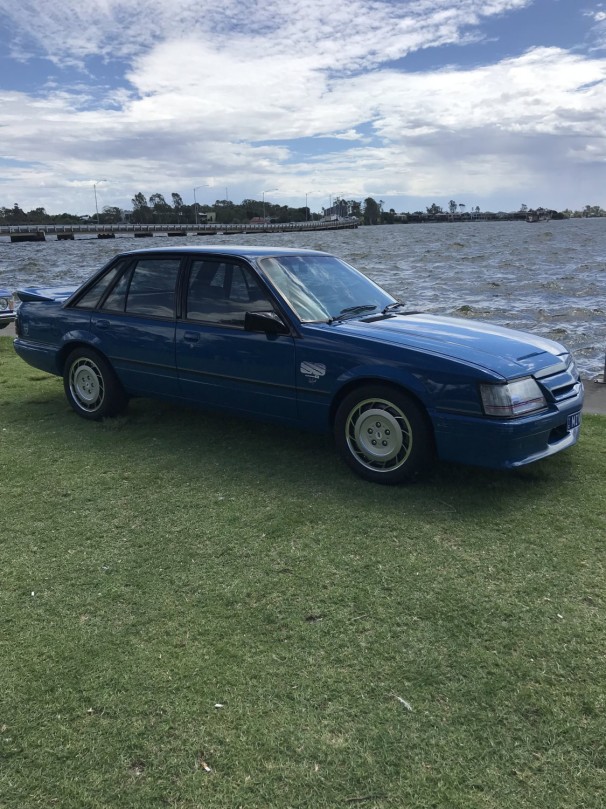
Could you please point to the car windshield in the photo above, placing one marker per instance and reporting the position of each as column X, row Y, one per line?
column 323, row 288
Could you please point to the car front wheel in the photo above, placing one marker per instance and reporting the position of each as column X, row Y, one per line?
column 91, row 385
column 384, row 435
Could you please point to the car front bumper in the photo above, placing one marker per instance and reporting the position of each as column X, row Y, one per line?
column 6, row 318
column 507, row 444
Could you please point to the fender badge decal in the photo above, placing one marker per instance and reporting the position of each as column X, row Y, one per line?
column 313, row 371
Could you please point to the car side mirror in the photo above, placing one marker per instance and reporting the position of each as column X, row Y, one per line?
column 269, row 322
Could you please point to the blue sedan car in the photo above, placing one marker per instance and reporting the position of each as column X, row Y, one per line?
column 302, row 338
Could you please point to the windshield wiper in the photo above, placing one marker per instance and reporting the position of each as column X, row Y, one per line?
column 392, row 307
column 352, row 311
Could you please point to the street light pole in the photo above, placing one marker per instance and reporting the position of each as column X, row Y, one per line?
column 196, row 202
column 96, row 206
column 307, row 211
column 266, row 192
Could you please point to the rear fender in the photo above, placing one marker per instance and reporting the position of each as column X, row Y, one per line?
column 76, row 339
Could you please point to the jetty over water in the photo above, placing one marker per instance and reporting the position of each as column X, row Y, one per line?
column 39, row 233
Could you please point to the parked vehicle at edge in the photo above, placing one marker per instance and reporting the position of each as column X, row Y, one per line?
column 7, row 308
column 301, row 338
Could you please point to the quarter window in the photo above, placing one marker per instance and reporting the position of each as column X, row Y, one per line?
column 116, row 300
column 92, row 296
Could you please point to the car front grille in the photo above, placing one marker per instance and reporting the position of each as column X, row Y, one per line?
column 560, row 382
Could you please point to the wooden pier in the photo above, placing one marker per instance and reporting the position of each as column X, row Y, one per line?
column 39, row 233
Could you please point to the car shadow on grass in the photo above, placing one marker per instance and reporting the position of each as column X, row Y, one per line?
column 280, row 461
column 244, row 449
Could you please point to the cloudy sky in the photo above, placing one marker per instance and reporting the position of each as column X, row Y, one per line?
column 493, row 103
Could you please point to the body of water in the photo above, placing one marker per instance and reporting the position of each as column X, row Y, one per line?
column 548, row 278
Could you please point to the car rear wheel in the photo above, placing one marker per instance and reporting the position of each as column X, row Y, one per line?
column 384, row 435
column 91, row 385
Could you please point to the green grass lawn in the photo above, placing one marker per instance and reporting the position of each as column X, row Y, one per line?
column 205, row 612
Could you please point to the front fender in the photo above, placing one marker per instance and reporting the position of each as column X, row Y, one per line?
column 383, row 373
column 319, row 396
column 440, row 386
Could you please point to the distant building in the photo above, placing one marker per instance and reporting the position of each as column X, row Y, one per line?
column 340, row 210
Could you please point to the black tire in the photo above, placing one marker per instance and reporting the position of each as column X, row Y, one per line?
column 384, row 435
column 91, row 385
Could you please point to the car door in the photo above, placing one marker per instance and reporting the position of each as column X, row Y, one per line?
column 220, row 363
column 135, row 325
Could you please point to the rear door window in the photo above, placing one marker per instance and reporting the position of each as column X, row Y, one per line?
column 148, row 289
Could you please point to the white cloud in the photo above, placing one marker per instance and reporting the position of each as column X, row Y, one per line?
column 347, row 34
column 227, row 91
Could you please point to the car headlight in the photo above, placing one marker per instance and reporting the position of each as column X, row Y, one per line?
column 4, row 304
column 512, row 399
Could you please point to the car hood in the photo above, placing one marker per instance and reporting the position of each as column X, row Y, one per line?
column 505, row 351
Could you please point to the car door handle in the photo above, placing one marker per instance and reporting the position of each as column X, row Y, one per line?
column 191, row 336
column 102, row 324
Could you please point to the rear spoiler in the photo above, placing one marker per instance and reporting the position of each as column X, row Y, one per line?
column 59, row 294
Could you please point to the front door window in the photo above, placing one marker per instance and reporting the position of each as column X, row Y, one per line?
column 222, row 292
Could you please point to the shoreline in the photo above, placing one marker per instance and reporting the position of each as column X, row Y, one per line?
column 595, row 392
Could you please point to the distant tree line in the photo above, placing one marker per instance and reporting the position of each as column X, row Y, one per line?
column 156, row 210
column 458, row 210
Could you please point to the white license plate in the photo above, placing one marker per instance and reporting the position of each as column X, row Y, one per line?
column 573, row 420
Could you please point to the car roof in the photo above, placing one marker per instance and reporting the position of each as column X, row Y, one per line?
column 240, row 251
